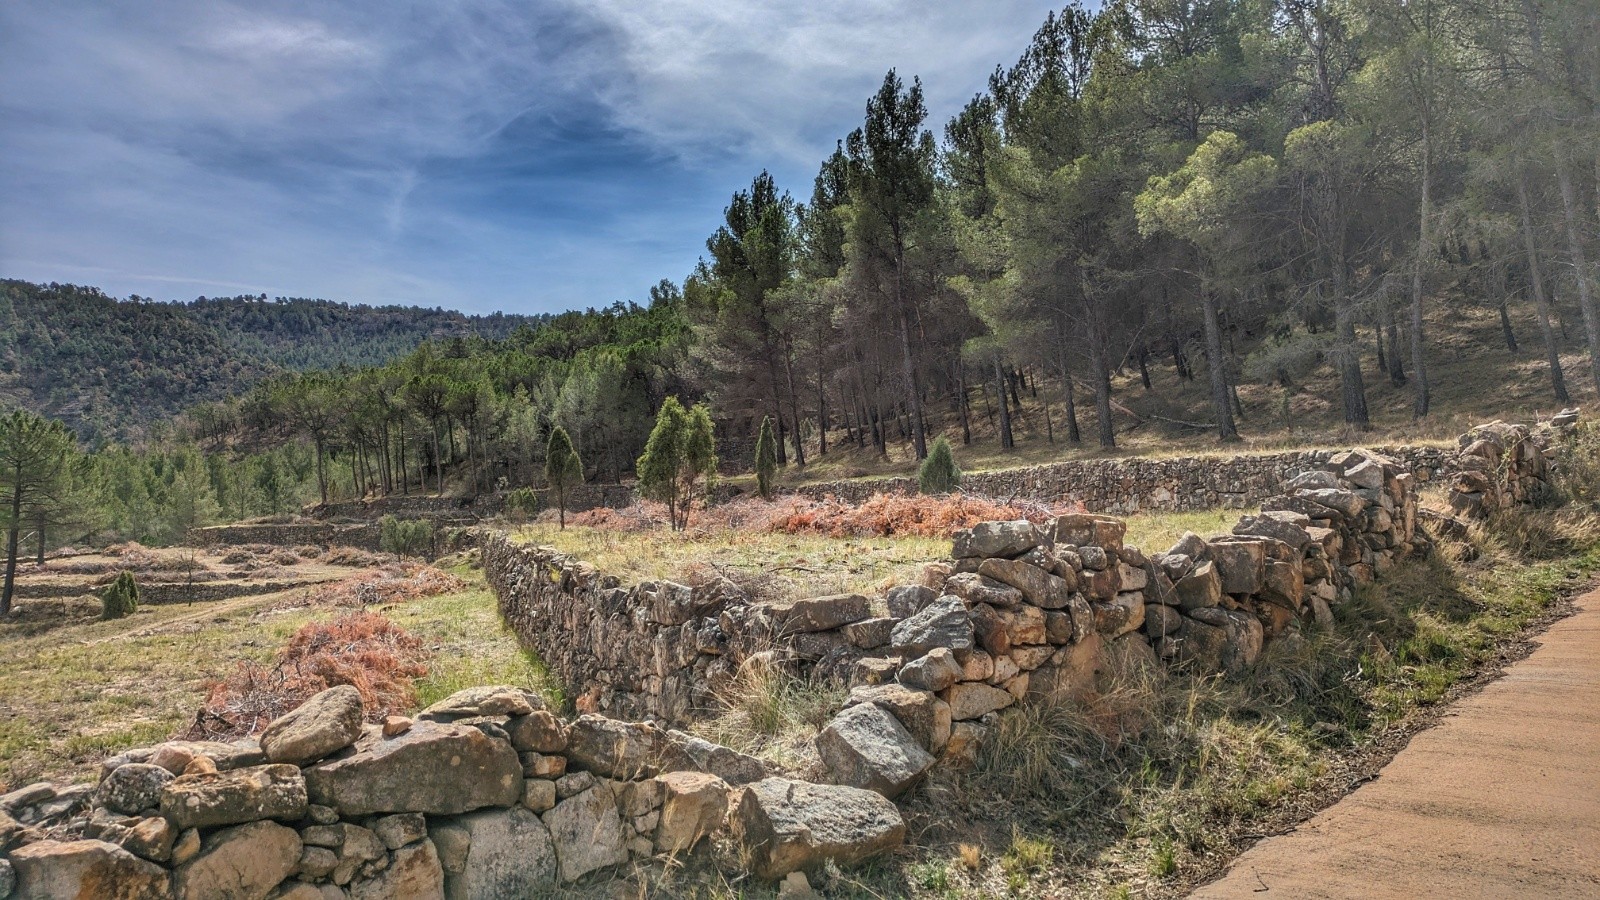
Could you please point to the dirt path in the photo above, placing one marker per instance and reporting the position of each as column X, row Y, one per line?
column 1500, row 799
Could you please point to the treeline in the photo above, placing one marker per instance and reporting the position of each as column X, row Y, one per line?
column 1245, row 191
column 117, row 369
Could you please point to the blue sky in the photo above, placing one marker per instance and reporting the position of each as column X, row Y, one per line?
column 479, row 155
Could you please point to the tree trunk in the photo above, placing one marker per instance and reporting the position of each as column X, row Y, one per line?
column 1396, row 364
column 1347, row 356
column 966, row 407
column 1505, row 323
column 1558, row 379
column 1580, row 264
column 1006, row 440
column 1419, row 372
column 9, row 590
column 1220, row 405
column 913, row 382
column 1102, row 398
column 1144, row 366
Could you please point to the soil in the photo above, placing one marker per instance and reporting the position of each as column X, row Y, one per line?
column 1500, row 799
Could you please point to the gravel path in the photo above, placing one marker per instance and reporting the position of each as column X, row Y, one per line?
column 1500, row 800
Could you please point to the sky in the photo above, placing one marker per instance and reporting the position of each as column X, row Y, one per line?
column 472, row 154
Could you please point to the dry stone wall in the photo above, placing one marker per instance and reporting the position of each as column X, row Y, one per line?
column 1505, row 465
column 486, row 794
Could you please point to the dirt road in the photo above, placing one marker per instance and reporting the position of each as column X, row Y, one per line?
column 1500, row 800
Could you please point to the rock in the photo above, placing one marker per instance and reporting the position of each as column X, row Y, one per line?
column 1200, row 589
column 414, row 874
column 200, row 765
column 1275, row 527
column 1087, row 530
column 235, row 797
column 825, row 613
column 988, row 539
column 587, row 834
column 538, row 795
column 489, row 700
column 453, row 842
column 433, row 768
column 921, row 712
column 8, row 879
column 1284, row 584
column 990, row 630
column 612, row 749
column 1241, row 565
column 1024, row 625
column 1095, row 559
column 869, row 634
column 907, row 600
column 85, row 870
column 970, row 700
column 358, row 847
column 1038, row 587
column 173, row 757
column 1160, row 620
column 693, row 805
column 933, row 671
column 687, row 753
column 31, row 795
column 874, row 670
column 573, row 784
column 539, row 731
column 1120, row 616
column 241, row 863
column 507, row 853
column 186, row 847
column 396, row 725
column 1230, row 644
column 1058, row 627
column 151, row 839
column 1133, row 578
column 133, row 788
column 327, row 723
column 790, row 826
column 966, row 739
column 400, row 829
column 1072, row 673
column 944, row 623
column 866, row 747
column 975, row 588
column 795, row 887
column 316, row 862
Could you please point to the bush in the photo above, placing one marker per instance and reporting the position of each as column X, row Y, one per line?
column 522, row 504
column 120, row 599
column 405, row 537
column 766, row 458
column 939, row 473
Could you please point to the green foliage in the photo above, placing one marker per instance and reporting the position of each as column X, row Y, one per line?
column 121, row 598
column 766, row 459
column 939, row 473
column 679, row 460
column 522, row 503
column 562, row 468
column 403, row 537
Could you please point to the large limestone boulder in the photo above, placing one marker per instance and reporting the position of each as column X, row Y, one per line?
column 907, row 600
column 865, row 746
column 133, row 788
column 1038, row 587
column 943, row 623
column 235, row 797
column 1089, row 530
column 587, row 833
column 414, row 874
column 693, row 805
column 790, row 826
column 433, row 768
column 1219, row 640
column 920, row 711
column 78, row 870
column 488, row 700
column 508, row 853
column 613, row 749
column 241, row 863
column 933, row 671
column 1241, row 564
column 825, row 613
column 987, row 539
column 327, row 723
column 687, row 753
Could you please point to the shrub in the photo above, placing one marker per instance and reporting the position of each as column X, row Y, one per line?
column 404, row 538
column 365, row 650
column 120, row 599
column 680, row 459
column 939, row 473
column 766, row 458
column 522, row 504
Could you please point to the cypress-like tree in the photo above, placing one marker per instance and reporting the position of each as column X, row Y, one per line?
column 939, row 473
column 679, row 459
column 120, row 599
column 562, row 468
column 766, row 459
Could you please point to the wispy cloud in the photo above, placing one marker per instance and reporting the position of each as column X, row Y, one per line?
column 477, row 153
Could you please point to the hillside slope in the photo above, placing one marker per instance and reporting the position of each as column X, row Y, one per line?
column 113, row 368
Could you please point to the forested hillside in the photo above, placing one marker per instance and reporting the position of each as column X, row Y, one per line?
column 113, row 368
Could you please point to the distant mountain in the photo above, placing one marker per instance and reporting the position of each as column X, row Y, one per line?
column 111, row 368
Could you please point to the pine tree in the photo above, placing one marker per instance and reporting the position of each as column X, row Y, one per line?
column 766, row 459
column 36, row 455
column 939, row 473
column 562, row 468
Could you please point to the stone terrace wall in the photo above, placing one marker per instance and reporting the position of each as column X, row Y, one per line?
column 324, row 534
column 1135, row 484
column 485, row 794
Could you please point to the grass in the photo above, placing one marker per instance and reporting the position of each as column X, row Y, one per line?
column 78, row 692
column 778, row 566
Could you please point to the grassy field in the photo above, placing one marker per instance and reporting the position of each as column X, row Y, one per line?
column 77, row 692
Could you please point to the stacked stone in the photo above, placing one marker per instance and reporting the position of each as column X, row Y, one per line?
column 485, row 795
column 1504, row 465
